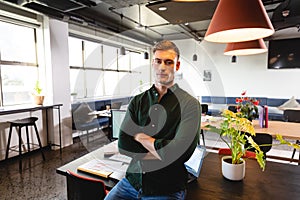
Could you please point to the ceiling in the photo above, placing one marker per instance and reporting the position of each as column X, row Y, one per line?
column 141, row 19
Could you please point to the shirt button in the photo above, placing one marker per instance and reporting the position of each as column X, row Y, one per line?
column 155, row 108
column 153, row 125
column 144, row 172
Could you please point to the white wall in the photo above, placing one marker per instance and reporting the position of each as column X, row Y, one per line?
column 248, row 73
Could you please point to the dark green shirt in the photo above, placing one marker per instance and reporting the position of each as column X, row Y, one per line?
column 174, row 122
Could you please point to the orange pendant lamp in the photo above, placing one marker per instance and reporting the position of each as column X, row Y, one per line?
column 239, row 20
column 246, row 48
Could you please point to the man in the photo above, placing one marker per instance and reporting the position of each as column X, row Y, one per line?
column 160, row 132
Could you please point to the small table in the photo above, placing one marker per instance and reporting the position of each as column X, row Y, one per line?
column 101, row 113
column 30, row 108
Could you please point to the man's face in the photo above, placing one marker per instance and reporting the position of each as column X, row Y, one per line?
column 165, row 64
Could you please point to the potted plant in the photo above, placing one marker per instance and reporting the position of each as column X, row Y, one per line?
column 37, row 94
column 237, row 131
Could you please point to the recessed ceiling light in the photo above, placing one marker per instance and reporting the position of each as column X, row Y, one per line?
column 163, row 8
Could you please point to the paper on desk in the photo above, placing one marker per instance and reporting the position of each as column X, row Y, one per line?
column 120, row 173
column 193, row 162
column 111, row 148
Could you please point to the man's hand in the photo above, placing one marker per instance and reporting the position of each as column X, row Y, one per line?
column 148, row 142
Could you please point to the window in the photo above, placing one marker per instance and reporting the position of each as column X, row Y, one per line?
column 97, row 70
column 19, row 68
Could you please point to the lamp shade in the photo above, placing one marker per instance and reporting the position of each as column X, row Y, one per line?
column 239, row 20
column 195, row 57
column 122, row 51
column 146, row 55
column 233, row 59
column 246, row 48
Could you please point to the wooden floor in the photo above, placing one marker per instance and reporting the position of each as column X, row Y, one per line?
column 39, row 179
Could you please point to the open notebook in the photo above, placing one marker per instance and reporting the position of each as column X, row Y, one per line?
column 194, row 164
column 116, row 165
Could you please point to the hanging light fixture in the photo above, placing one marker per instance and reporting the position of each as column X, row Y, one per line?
column 233, row 59
column 139, row 25
column 122, row 51
column 237, row 21
column 195, row 57
column 146, row 55
column 122, row 48
column 246, row 48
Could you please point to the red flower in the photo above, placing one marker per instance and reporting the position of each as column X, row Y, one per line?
column 256, row 102
column 244, row 93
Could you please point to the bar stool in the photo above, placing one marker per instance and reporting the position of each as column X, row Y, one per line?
column 25, row 122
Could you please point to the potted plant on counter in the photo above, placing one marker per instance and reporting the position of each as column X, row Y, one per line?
column 237, row 131
column 37, row 94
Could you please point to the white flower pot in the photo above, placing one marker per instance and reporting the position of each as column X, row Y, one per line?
column 234, row 172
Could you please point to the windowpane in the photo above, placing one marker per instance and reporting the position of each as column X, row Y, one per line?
column 75, row 52
column 111, row 83
column 18, row 83
column 124, row 62
column 93, row 77
column 77, row 83
column 98, row 82
column 92, row 55
column 125, row 83
column 17, row 43
column 109, row 57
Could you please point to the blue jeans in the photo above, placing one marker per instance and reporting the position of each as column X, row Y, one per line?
column 124, row 190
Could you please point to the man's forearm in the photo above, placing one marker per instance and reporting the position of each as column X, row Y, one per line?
column 147, row 142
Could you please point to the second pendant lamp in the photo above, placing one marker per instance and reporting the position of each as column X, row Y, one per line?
column 246, row 48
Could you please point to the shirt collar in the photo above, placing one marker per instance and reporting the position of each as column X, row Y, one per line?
column 172, row 88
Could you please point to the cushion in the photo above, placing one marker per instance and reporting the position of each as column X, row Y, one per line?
column 81, row 114
column 275, row 110
column 291, row 103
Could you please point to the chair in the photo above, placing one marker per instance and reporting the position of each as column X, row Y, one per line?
column 227, row 151
column 82, row 188
column 262, row 138
column 20, row 123
column 292, row 116
column 204, row 110
column 232, row 109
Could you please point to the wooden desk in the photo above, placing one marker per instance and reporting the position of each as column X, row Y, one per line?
column 278, row 181
column 31, row 108
column 288, row 130
column 98, row 153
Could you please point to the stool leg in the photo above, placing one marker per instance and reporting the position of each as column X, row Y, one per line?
column 20, row 148
column 8, row 142
column 294, row 151
column 28, row 145
column 39, row 140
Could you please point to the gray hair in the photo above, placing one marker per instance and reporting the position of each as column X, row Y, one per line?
column 166, row 45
